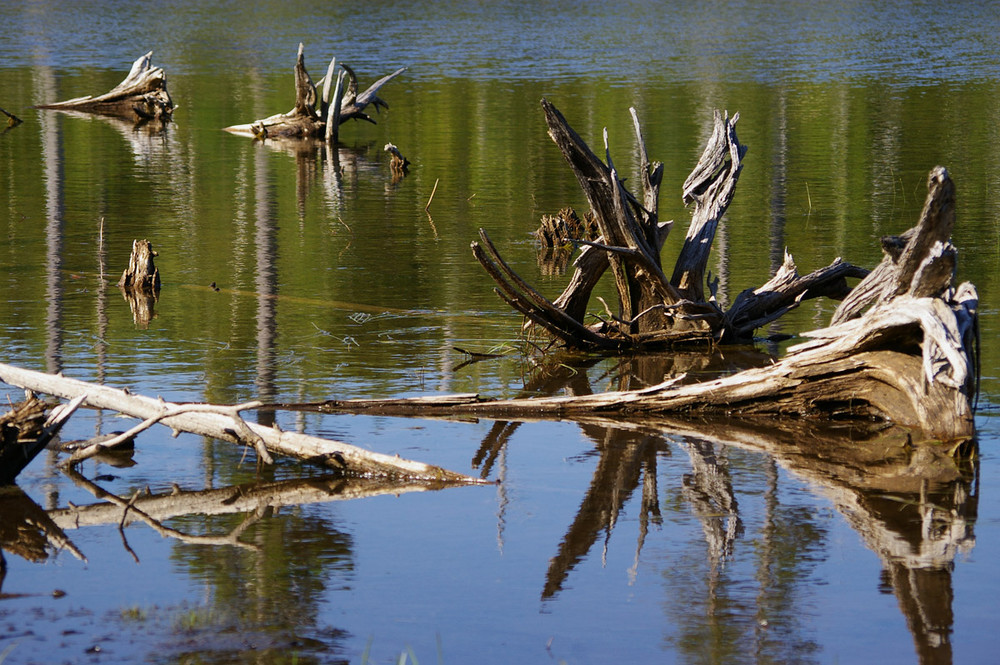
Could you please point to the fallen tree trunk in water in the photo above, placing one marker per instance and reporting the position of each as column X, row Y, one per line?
column 140, row 97
column 654, row 310
column 224, row 423
column 909, row 360
column 317, row 115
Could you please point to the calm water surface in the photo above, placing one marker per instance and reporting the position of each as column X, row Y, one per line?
column 681, row 542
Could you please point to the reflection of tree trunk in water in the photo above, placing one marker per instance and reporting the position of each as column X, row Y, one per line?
column 622, row 456
column 779, row 186
column 709, row 490
column 51, row 138
column 925, row 597
column 650, row 505
column 102, row 317
column 266, row 286
column 765, row 567
column 917, row 544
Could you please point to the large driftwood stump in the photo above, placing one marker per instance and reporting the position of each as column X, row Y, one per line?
column 910, row 360
column 140, row 97
column 654, row 310
column 318, row 115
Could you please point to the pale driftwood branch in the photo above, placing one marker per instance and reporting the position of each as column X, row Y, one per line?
column 905, row 254
column 245, row 432
column 141, row 96
column 334, row 454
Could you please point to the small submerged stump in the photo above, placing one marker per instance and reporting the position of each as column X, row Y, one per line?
column 398, row 164
column 562, row 228
column 140, row 282
column 557, row 236
column 141, row 97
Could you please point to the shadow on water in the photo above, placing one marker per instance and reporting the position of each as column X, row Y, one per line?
column 914, row 504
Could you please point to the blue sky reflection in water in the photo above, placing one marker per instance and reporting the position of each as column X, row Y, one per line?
column 600, row 544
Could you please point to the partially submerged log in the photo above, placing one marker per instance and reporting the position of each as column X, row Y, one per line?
column 910, row 360
column 654, row 310
column 316, row 115
column 226, row 425
column 142, row 96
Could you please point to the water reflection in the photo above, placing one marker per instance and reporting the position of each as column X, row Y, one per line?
column 335, row 167
column 913, row 504
column 265, row 592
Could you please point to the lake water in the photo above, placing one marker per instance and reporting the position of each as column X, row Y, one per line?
column 696, row 543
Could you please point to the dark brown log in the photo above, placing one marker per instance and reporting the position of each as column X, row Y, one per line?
column 140, row 97
column 311, row 115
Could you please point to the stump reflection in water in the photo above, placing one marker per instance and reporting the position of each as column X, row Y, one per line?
column 913, row 504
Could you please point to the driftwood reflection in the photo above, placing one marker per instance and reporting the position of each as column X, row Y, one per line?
column 913, row 504
column 30, row 531
column 334, row 168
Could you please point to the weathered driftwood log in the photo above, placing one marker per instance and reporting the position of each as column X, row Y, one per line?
column 199, row 419
column 654, row 311
column 318, row 115
column 909, row 360
column 140, row 97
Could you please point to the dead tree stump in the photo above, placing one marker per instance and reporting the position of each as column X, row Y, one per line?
column 140, row 282
column 654, row 310
column 142, row 96
column 318, row 115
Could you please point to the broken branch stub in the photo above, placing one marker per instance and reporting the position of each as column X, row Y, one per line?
column 653, row 311
column 307, row 120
